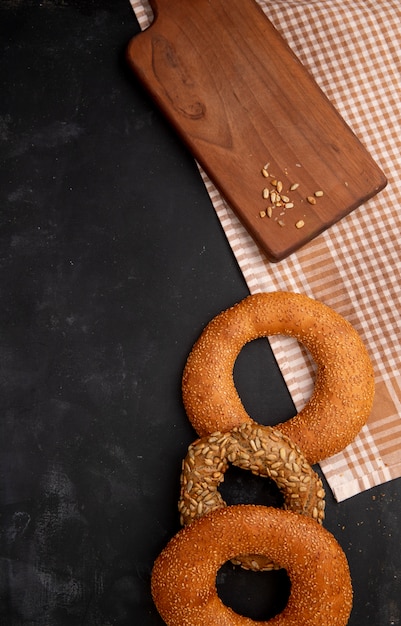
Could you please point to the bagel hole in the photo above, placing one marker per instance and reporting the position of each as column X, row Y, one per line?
column 242, row 487
column 257, row 595
column 260, row 384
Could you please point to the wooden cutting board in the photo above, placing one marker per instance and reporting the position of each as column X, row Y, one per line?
column 246, row 107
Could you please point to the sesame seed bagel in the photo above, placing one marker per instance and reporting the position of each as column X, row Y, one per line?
column 344, row 386
column 184, row 575
column 265, row 452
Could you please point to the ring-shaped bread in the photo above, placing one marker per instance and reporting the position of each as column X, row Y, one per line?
column 344, row 386
column 184, row 574
column 265, row 452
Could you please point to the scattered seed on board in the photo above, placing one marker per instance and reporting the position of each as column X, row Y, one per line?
column 279, row 200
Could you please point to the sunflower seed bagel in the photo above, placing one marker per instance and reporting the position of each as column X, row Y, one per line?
column 265, row 452
column 183, row 580
column 344, row 386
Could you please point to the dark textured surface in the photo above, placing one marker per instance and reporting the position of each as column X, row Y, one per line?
column 111, row 262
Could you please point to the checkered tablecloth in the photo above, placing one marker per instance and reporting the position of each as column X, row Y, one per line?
column 353, row 50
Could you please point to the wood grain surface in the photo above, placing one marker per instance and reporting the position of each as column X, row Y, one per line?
column 240, row 99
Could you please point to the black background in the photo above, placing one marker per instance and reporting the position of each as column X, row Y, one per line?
column 112, row 261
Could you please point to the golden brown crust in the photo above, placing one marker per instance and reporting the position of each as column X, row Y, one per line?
column 344, row 387
column 265, row 452
column 184, row 574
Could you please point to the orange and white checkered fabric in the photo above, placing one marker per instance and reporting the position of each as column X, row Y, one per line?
column 353, row 50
